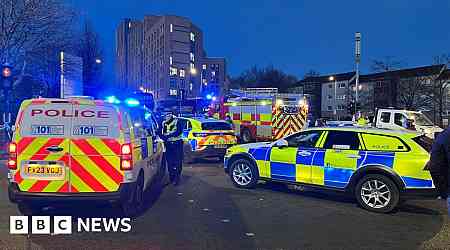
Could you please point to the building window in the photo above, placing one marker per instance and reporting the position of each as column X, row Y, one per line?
column 340, row 97
column 330, row 108
column 213, row 73
column 342, row 85
column 192, row 37
column 330, row 86
column 330, row 97
column 191, row 86
column 173, row 92
column 204, row 66
column 182, row 73
column 171, row 27
column 191, row 66
column 191, row 55
column 173, row 71
column 204, row 82
column 171, row 60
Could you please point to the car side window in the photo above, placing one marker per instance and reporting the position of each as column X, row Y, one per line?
column 400, row 119
column 385, row 117
column 383, row 143
column 342, row 140
column 304, row 139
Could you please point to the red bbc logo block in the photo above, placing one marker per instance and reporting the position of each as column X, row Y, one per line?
column 40, row 225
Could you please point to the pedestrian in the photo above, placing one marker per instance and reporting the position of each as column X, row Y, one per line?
column 172, row 132
column 439, row 164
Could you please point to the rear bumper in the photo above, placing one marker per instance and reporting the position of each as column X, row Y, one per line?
column 209, row 151
column 422, row 193
column 124, row 193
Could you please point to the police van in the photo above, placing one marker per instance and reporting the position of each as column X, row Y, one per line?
column 78, row 150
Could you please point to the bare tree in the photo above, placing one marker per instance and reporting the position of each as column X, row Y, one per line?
column 413, row 92
column 31, row 31
column 439, row 91
column 388, row 63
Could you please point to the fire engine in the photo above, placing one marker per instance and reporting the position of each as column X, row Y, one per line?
column 262, row 114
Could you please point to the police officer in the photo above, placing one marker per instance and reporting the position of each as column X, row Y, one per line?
column 172, row 132
column 439, row 164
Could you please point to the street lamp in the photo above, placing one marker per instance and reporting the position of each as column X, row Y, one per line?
column 98, row 61
column 332, row 78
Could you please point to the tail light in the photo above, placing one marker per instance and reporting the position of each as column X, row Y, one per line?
column 126, row 157
column 12, row 159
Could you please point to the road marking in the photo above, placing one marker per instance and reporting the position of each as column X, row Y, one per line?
column 261, row 199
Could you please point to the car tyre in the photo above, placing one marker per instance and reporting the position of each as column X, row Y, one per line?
column 377, row 193
column 246, row 136
column 244, row 174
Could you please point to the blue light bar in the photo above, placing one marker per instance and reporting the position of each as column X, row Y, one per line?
column 209, row 97
column 132, row 102
column 112, row 99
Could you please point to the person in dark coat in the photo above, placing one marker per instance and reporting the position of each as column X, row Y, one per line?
column 439, row 164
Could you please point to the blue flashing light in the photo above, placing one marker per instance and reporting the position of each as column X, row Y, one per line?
column 112, row 99
column 132, row 102
column 209, row 96
column 147, row 115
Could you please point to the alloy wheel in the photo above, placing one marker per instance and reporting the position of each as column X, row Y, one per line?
column 375, row 193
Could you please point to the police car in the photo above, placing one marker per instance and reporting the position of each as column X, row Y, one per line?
column 205, row 137
column 379, row 167
column 80, row 149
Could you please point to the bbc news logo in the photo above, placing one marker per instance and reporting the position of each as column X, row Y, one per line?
column 64, row 224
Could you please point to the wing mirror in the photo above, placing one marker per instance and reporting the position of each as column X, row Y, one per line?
column 281, row 143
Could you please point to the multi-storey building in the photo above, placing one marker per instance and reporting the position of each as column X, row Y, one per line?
column 171, row 58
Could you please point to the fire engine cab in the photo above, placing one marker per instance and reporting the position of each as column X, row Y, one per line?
column 262, row 114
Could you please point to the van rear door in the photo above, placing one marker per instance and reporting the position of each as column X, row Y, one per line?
column 95, row 148
column 42, row 139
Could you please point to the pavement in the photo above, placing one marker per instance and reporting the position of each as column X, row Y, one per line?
column 207, row 212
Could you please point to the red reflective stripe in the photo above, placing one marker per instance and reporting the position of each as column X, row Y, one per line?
column 23, row 144
column 86, row 176
column 17, row 177
column 236, row 116
column 42, row 152
column 253, row 117
column 64, row 188
column 38, row 186
column 266, row 123
column 73, row 189
column 99, row 160
column 112, row 144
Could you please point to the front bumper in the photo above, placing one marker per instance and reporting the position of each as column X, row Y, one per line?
column 124, row 193
column 209, row 151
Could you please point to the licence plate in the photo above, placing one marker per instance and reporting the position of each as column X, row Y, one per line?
column 220, row 146
column 44, row 172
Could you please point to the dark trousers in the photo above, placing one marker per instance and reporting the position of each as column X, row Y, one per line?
column 174, row 155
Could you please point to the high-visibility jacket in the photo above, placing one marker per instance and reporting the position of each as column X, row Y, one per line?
column 172, row 130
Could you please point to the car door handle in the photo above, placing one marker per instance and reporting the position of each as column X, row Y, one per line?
column 354, row 156
column 54, row 149
column 304, row 153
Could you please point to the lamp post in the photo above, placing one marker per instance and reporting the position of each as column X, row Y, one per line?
column 332, row 78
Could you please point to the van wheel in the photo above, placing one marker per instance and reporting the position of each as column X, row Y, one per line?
column 133, row 206
column 243, row 174
column 28, row 209
column 246, row 136
column 377, row 193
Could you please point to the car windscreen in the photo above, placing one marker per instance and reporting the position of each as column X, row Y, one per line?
column 420, row 119
column 216, row 126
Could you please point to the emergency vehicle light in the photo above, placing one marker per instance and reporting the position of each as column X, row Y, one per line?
column 132, row 102
column 112, row 99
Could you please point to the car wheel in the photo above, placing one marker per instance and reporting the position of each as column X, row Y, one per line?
column 244, row 173
column 246, row 136
column 28, row 209
column 377, row 193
